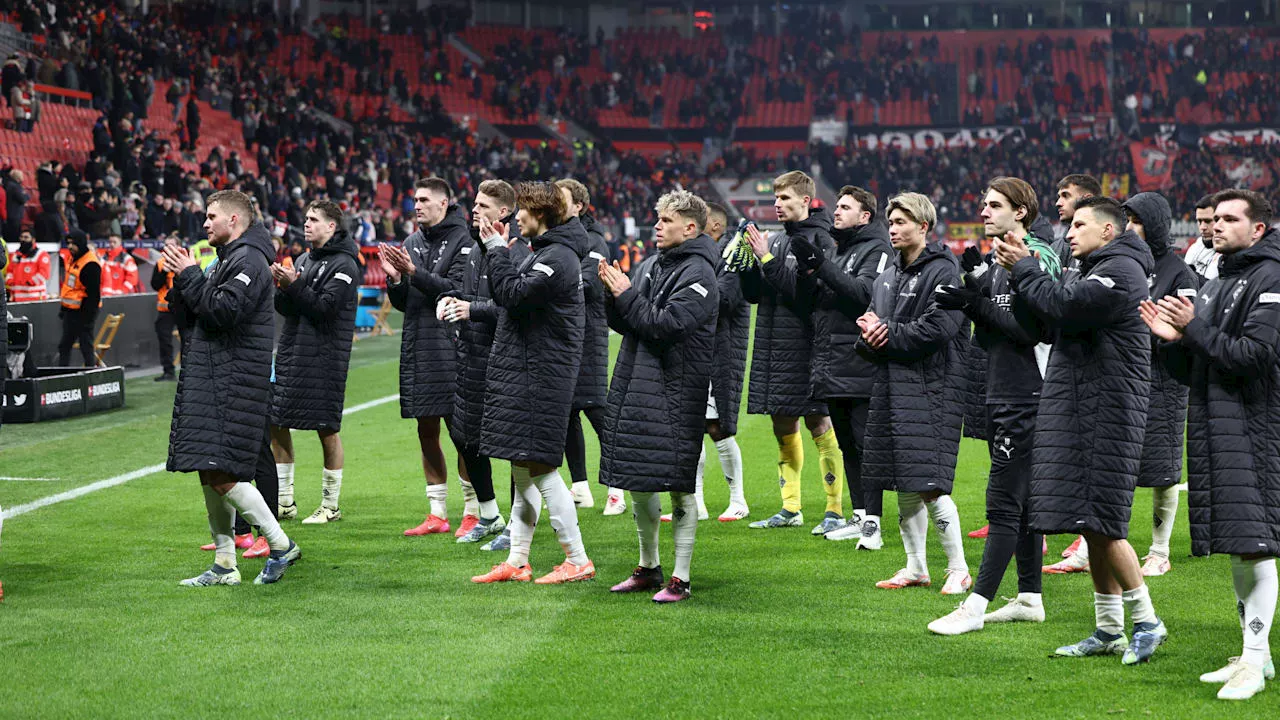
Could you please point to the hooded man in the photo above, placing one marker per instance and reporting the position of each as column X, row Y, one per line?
column 81, row 299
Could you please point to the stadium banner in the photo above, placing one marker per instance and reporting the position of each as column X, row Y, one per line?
column 1246, row 172
column 831, row 132
column 1152, row 165
column 961, row 235
column 1115, row 185
column 1226, row 137
column 1211, row 136
column 926, row 139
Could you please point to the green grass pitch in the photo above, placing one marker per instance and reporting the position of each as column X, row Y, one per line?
column 374, row 624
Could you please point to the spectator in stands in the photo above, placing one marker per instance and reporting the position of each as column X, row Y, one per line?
column 50, row 225
column 11, row 76
column 25, row 106
column 193, row 123
column 15, row 206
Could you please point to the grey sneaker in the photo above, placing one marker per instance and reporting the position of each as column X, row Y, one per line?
column 1095, row 644
column 287, row 512
column 500, row 543
column 781, row 519
column 830, row 521
column 1145, row 642
column 277, row 564
column 213, row 576
column 483, row 530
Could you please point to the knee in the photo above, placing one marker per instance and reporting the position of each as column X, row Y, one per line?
column 818, row 424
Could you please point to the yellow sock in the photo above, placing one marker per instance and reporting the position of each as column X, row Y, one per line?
column 790, row 463
column 831, row 462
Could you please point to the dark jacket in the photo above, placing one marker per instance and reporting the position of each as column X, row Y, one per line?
column 976, row 367
column 224, row 392
column 16, row 203
column 1167, row 414
column 537, row 348
column 913, row 423
column 655, row 417
column 841, row 297
column 314, row 350
column 780, row 375
column 733, row 331
column 1230, row 355
column 427, row 362
column 475, row 341
column 593, row 377
column 1012, row 338
column 1093, row 406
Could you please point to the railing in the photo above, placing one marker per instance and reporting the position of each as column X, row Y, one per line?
column 63, row 96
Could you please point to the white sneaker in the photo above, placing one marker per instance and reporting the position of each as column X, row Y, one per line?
column 958, row 582
column 323, row 515
column 212, row 577
column 1224, row 673
column 1154, row 566
column 871, row 539
column 615, row 505
column 963, row 619
column 703, row 513
column 582, row 495
column 1016, row 610
column 1245, row 682
column 851, row 530
column 734, row 512
column 287, row 512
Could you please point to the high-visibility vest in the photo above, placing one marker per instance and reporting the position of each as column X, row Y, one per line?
column 73, row 290
column 120, row 273
column 204, row 253
column 162, row 295
column 28, row 277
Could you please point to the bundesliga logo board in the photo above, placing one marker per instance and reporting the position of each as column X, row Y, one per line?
column 56, row 393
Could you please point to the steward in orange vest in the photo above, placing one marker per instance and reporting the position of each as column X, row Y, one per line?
column 81, row 298
column 166, row 319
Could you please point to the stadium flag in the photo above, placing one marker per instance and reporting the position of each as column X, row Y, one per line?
column 1246, row 172
column 1153, row 166
column 1115, row 185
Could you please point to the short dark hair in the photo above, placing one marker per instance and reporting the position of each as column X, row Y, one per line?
column 542, row 200
column 862, row 196
column 1108, row 208
column 327, row 209
column 436, row 185
column 1020, row 194
column 1206, row 201
column 714, row 208
column 1087, row 183
column 1259, row 208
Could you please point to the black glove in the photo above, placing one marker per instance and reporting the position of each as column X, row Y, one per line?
column 808, row 256
column 956, row 298
column 971, row 259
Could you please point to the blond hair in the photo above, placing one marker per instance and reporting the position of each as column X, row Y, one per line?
column 577, row 191
column 686, row 205
column 915, row 206
column 795, row 180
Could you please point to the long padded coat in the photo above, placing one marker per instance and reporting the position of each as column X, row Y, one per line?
column 913, row 423
column 1093, row 405
column 780, row 375
column 654, row 420
column 842, row 296
column 733, row 334
column 1167, row 414
column 223, row 399
column 537, row 348
column 1230, row 354
column 475, row 341
column 314, row 349
column 427, row 363
column 593, row 376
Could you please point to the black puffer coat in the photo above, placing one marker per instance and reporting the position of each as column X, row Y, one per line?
column 976, row 366
column 733, row 335
column 1167, row 414
column 314, row 349
column 475, row 341
column 654, row 421
column 223, row 400
column 427, row 361
column 1230, row 354
column 780, row 375
column 537, row 348
column 913, row 424
column 593, row 377
column 1093, row 406
column 842, row 296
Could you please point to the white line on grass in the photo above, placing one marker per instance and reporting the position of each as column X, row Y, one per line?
column 74, row 493
column 6, row 478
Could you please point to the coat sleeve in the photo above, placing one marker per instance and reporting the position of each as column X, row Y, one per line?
column 793, row 287
column 752, row 284
column 1253, row 354
column 688, row 307
column 927, row 333
column 852, row 291
column 484, row 311
column 531, row 290
column 730, row 288
column 1090, row 302
column 223, row 306
column 614, row 317
column 158, row 277
column 433, row 285
column 323, row 305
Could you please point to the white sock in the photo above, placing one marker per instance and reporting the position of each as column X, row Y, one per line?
column 1137, row 602
column 284, row 471
column 220, row 521
column 647, row 510
column 1165, row 509
column 1082, row 551
column 470, row 505
column 977, row 603
column 684, row 523
column 1032, row 599
column 564, row 515
column 913, row 524
column 859, row 514
column 702, row 466
column 489, row 509
column 946, row 520
column 731, row 464
column 524, row 516
column 1108, row 612
column 873, row 519
column 438, row 495
column 330, row 487
column 247, row 501
column 1256, row 584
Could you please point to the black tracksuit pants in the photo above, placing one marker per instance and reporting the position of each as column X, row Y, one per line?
column 849, row 420
column 1011, row 429
column 575, row 448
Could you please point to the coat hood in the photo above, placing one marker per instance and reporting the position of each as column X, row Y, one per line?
column 1128, row 244
column 340, row 243
column 819, row 218
column 702, row 246
column 873, row 230
column 571, row 234
column 453, row 218
column 1156, row 218
column 933, row 252
column 1268, row 248
column 1042, row 228
column 256, row 237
